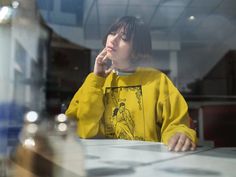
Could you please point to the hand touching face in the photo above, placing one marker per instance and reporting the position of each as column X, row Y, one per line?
column 100, row 66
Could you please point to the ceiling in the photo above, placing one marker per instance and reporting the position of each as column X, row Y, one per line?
column 200, row 42
column 169, row 19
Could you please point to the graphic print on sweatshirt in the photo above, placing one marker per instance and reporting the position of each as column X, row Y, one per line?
column 124, row 113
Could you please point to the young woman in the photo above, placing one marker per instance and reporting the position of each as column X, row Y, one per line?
column 128, row 101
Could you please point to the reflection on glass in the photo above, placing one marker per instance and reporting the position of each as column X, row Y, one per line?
column 31, row 116
column 62, row 127
column 15, row 4
column 32, row 128
column 61, row 118
column 29, row 143
column 193, row 42
column 5, row 14
column 49, row 47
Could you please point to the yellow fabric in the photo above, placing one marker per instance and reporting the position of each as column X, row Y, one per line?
column 142, row 106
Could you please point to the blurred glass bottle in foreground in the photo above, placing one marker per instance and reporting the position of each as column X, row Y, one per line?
column 48, row 149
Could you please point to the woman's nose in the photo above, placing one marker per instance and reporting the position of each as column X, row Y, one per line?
column 115, row 38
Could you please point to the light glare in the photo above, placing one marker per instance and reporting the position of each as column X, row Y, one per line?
column 61, row 118
column 32, row 128
column 29, row 143
column 191, row 17
column 5, row 13
column 15, row 4
column 62, row 127
column 31, row 116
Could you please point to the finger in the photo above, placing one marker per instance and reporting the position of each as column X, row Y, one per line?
column 101, row 56
column 100, row 59
column 180, row 143
column 193, row 146
column 186, row 145
column 173, row 141
column 104, row 50
column 104, row 59
column 102, row 53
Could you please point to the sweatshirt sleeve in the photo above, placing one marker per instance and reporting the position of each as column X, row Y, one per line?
column 87, row 106
column 173, row 111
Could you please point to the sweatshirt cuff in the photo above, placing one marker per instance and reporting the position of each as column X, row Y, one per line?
column 95, row 81
column 190, row 133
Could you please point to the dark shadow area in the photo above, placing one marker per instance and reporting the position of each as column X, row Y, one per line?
column 109, row 171
column 191, row 171
column 125, row 163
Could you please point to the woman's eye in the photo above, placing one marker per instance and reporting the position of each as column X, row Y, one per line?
column 113, row 33
column 124, row 37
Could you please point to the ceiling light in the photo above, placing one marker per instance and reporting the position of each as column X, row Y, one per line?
column 15, row 4
column 191, row 18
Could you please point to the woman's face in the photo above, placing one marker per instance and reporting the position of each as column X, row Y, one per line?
column 119, row 49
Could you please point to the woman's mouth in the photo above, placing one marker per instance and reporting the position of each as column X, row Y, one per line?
column 110, row 49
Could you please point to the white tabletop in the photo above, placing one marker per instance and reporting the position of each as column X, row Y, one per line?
column 138, row 158
column 109, row 157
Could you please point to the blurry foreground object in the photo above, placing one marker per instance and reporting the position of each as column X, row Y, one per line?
column 5, row 14
column 61, row 125
column 46, row 149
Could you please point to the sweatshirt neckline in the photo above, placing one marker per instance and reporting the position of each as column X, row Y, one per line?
column 126, row 73
column 123, row 73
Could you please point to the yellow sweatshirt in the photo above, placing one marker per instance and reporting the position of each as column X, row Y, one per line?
column 142, row 106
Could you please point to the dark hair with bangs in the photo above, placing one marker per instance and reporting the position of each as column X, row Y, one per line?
column 137, row 32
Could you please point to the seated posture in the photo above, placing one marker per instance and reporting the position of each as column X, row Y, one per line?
column 127, row 100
